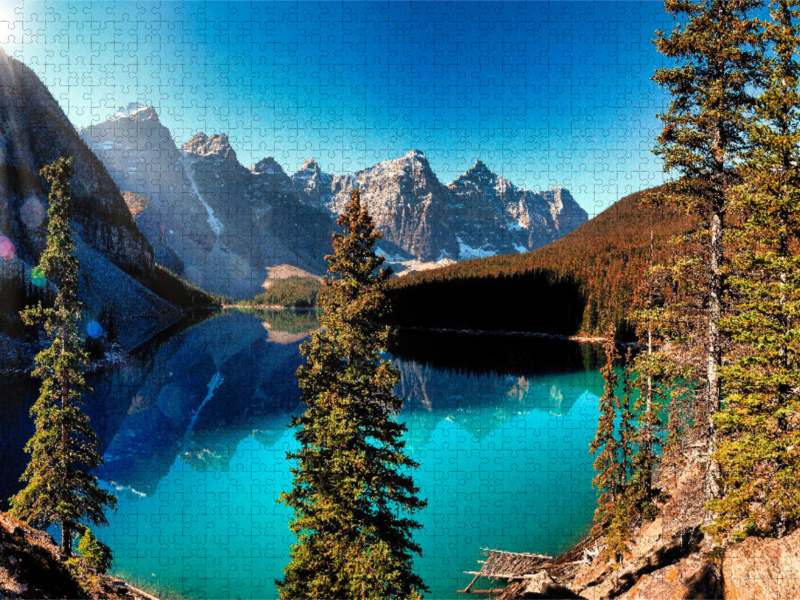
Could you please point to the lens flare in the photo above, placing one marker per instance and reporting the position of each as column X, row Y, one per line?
column 94, row 329
column 32, row 213
column 7, row 249
column 38, row 278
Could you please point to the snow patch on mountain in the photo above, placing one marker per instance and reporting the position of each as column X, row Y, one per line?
column 466, row 252
column 213, row 222
column 129, row 110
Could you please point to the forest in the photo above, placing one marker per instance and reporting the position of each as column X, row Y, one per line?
column 576, row 285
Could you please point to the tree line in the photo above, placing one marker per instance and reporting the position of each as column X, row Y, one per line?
column 576, row 285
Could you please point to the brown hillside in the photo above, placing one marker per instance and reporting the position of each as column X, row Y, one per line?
column 575, row 281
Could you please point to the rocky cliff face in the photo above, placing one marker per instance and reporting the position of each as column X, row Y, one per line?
column 140, row 155
column 259, row 222
column 224, row 224
column 493, row 216
column 479, row 214
column 114, row 253
column 34, row 131
column 408, row 204
column 210, row 219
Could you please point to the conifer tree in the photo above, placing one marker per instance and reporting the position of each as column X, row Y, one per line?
column 651, row 367
column 59, row 485
column 620, row 502
column 627, row 427
column 352, row 494
column 96, row 554
column 605, row 444
column 717, row 47
column 759, row 453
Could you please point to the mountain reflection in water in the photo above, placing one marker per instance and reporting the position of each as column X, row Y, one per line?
column 194, row 430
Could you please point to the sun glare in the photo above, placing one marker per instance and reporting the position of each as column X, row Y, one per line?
column 10, row 21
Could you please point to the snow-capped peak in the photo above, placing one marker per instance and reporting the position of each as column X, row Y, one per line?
column 310, row 165
column 415, row 155
column 134, row 110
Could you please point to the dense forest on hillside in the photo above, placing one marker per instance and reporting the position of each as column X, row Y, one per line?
column 20, row 288
column 294, row 292
column 572, row 286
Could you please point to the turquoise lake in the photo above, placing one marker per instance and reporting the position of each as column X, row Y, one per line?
column 194, row 430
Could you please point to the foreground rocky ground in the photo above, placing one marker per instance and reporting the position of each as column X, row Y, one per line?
column 671, row 558
column 31, row 567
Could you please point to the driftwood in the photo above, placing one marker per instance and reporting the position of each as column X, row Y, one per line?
column 500, row 564
column 517, row 567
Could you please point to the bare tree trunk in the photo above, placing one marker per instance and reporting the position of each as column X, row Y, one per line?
column 650, row 328
column 715, row 309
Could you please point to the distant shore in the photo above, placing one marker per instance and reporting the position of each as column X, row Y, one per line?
column 583, row 339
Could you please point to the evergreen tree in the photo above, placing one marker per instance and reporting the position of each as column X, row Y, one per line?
column 96, row 554
column 59, row 485
column 759, row 453
column 704, row 136
column 627, row 426
column 651, row 367
column 351, row 482
column 605, row 444
column 619, row 503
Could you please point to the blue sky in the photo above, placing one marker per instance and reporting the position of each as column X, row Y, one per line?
column 545, row 93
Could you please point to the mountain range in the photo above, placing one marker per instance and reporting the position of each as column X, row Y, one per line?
column 580, row 284
column 223, row 226
column 141, row 201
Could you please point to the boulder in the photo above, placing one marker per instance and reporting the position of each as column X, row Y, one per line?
column 768, row 569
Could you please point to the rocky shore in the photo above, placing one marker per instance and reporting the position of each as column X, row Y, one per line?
column 671, row 558
column 32, row 566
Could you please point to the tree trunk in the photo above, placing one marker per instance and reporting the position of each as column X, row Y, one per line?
column 66, row 538
column 715, row 291
column 715, row 309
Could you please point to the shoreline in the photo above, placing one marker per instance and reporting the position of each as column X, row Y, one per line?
column 582, row 339
column 267, row 307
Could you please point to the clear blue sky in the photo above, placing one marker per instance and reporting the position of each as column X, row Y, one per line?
column 545, row 93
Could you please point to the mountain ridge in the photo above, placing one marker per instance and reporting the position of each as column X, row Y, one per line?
column 576, row 285
column 424, row 222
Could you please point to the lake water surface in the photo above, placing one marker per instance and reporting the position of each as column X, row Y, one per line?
column 194, row 430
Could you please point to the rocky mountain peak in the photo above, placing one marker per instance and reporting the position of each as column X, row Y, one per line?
column 310, row 166
column 216, row 145
column 267, row 166
column 479, row 173
column 479, row 167
column 136, row 111
column 416, row 156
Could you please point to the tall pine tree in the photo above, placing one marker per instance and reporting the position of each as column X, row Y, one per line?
column 59, row 485
column 351, row 483
column 759, row 452
column 611, row 455
column 705, row 133
column 652, row 368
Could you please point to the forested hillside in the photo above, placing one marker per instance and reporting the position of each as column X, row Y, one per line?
column 574, row 285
